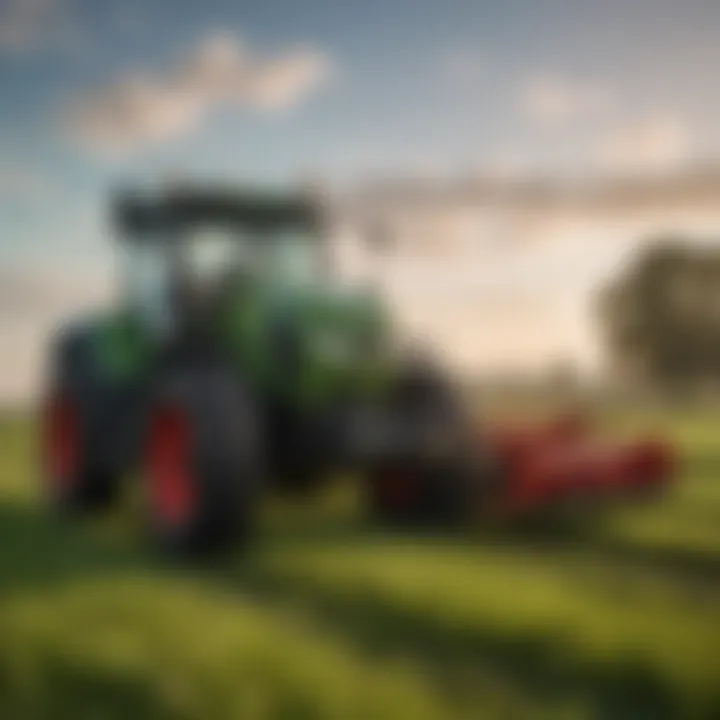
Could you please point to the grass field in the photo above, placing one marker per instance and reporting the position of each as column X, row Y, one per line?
column 327, row 617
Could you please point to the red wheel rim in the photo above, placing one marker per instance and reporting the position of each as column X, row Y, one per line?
column 62, row 445
column 169, row 467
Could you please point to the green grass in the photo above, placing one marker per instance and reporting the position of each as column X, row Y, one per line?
column 326, row 617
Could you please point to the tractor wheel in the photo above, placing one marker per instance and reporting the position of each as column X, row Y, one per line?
column 417, row 488
column 407, row 495
column 201, row 463
column 77, row 474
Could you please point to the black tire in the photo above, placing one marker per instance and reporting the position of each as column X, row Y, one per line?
column 416, row 487
column 421, row 495
column 80, row 473
column 202, row 462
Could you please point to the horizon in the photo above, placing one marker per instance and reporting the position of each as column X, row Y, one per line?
column 601, row 103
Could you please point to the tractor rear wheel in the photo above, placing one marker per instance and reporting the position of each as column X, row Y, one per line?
column 419, row 487
column 202, row 462
column 418, row 495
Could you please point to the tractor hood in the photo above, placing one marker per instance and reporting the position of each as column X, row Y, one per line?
column 339, row 336
column 337, row 322
column 317, row 343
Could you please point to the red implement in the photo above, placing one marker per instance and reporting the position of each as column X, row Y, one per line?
column 562, row 463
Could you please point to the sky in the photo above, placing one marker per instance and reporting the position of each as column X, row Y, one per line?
column 96, row 94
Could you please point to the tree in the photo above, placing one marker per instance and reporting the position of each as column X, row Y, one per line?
column 661, row 318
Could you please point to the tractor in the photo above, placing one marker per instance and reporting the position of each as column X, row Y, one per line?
column 235, row 364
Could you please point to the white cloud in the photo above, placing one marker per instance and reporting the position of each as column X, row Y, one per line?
column 553, row 102
column 463, row 67
column 27, row 25
column 655, row 144
column 141, row 109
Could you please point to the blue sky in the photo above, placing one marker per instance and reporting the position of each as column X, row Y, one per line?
column 406, row 85
column 96, row 93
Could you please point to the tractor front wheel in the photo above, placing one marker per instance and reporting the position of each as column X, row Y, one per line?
column 74, row 481
column 201, row 463
column 78, row 473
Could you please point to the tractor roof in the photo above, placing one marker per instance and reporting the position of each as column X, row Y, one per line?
column 137, row 214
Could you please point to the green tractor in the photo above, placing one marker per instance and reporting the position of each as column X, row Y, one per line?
column 234, row 365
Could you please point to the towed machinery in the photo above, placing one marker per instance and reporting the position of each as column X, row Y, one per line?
column 235, row 364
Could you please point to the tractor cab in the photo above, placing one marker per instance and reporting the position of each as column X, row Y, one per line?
column 184, row 252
